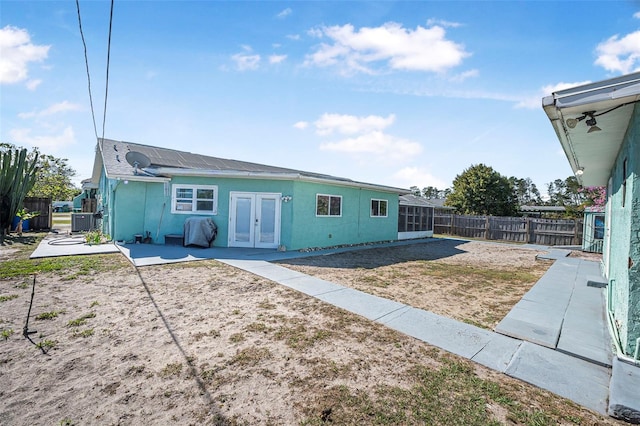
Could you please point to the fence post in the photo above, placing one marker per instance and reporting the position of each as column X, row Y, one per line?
column 575, row 233
column 487, row 226
column 453, row 225
column 527, row 226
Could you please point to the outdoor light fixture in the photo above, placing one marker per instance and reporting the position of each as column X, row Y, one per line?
column 572, row 122
column 591, row 122
column 590, row 116
column 580, row 170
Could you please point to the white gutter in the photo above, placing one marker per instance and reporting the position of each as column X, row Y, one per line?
column 138, row 178
column 271, row 175
column 619, row 88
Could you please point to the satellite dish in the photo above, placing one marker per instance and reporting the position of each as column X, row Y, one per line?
column 137, row 159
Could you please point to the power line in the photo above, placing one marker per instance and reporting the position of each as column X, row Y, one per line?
column 106, row 89
column 86, row 61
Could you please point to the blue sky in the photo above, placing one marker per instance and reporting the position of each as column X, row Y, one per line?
column 395, row 93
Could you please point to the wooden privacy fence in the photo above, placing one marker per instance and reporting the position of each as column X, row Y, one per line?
column 42, row 205
column 550, row 232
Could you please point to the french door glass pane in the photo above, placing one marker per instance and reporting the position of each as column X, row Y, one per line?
column 243, row 220
column 268, row 220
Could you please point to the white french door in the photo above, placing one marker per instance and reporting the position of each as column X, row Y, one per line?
column 254, row 219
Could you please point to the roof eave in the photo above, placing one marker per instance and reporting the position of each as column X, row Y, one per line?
column 601, row 96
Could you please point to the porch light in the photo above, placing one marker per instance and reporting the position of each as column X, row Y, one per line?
column 591, row 122
column 590, row 116
column 580, row 170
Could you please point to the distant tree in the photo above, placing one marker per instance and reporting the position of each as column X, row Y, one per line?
column 17, row 176
column 430, row 192
column 566, row 193
column 525, row 191
column 415, row 191
column 480, row 190
column 53, row 178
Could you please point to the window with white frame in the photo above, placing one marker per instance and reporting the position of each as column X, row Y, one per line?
column 378, row 208
column 328, row 205
column 194, row 199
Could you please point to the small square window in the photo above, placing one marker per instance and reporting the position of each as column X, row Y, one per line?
column 379, row 208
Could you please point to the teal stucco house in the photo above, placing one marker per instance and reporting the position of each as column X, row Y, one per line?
column 598, row 125
column 151, row 191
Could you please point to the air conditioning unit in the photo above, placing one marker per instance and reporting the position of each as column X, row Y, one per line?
column 82, row 222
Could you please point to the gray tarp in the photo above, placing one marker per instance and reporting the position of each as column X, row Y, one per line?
column 199, row 231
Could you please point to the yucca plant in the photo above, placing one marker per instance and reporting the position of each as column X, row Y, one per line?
column 18, row 173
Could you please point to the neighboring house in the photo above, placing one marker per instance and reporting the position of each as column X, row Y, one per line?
column 439, row 208
column 593, row 230
column 146, row 190
column 415, row 217
column 598, row 125
column 85, row 201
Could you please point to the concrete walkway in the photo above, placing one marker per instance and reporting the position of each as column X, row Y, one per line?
column 554, row 338
column 581, row 381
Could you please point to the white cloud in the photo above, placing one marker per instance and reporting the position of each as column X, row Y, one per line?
column 459, row 78
column 620, row 54
column 276, row 59
column 48, row 143
column 293, row 36
column 53, row 109
column 246, row 62
column 636, row 15
column 447, row 24
column 16, row 52
column 350, row 124
column 286, row 12
column 377, row 143
column 535, row 101
column 422, row 49
column 301, row 125
column 414, row 176
column 33, row 84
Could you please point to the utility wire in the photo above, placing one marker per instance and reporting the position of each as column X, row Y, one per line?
column 106, row 89
column 86, row 61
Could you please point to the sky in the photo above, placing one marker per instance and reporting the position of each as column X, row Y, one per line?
column 398, row 93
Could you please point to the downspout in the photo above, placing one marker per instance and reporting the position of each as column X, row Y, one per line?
column 112, row 216
column 614, row 331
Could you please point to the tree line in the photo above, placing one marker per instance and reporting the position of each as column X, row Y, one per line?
column 481, row 190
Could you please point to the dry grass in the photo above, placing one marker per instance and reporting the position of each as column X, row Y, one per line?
column 474, row 282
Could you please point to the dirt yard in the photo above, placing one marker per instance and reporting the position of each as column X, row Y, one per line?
column 203, row 343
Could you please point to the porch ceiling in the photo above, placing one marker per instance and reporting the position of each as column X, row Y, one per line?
column 612, row 103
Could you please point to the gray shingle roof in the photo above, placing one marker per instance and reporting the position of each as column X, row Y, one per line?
column 413, row 200
column 165, row 162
